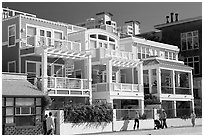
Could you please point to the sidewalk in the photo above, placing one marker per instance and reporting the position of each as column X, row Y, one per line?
column 179, row 130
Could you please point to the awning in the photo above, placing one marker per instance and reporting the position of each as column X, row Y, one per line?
column 20, row 87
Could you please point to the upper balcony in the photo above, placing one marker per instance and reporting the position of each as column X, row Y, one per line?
column 29, row 44
column 10, row 13
column 100, row 53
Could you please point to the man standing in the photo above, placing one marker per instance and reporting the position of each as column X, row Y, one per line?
column 193, row 116
column 163, row 118
column 50, row 124
column 45, row 125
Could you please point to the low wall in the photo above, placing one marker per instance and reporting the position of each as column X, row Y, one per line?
column 71, row 129
column 149, row 123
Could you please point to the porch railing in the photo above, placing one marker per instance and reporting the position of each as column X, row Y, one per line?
column 120, row 54
column 67, row 83
column 37, row 41
column 166, row 90
column 183, row 90
column 124, row 87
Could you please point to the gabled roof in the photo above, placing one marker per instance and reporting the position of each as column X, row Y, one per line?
column 15, row 85
column 166, row 63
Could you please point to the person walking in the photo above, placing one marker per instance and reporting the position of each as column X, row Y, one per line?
column 193, row 117
column 50, row 124
column 163, row 117
column 45, row 125
column 136, row 120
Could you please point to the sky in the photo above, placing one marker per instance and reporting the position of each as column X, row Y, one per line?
column 147, row 13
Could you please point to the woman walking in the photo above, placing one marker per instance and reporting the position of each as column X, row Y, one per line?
column 136, row 120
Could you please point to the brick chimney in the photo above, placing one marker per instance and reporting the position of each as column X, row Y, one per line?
column 167, row 19
column 176, row 16
column 172, row 17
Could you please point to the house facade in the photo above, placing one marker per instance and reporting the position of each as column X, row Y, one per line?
column 163, row 75
column 41, row 49
column 77, row 65
column 187, row 35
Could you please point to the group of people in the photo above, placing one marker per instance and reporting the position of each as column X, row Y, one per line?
column 160, row 120
column 48, row 124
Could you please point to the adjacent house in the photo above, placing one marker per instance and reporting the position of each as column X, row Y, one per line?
column 22, row 106
column 41, row 49
column 187, row 35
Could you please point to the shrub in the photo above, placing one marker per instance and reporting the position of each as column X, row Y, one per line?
column 80, row 113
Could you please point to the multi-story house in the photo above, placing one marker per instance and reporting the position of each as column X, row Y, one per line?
column 117, row 75
column 187, row 35
column 163, row 75
column 41, row 49
column 131, row 28
column 73, row 61
column 102, row 20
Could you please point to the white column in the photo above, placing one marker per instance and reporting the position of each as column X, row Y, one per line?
column 191, row 86
column 38, row 69
column 140, row 77
column 52, row 70
column 89, row 77
column 133, row 80
column 109, row 71
column 150, row 80
column 158, row 70
column 174, row 107
column 44, row 71
column 141, row 105
column 173, row 81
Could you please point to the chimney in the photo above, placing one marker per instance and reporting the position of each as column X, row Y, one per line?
column 176, row 15
column 172, row 17
column 167, row 19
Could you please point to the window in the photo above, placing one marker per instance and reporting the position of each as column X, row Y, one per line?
column 189, row 40
column 193, row 62
column 93, row 36
column 112, row 46
column 92, row 44
column 12, row 35
column 111, row 39
column 12, row 66
column 139, row 52
column 31, row 32
column 102, row 37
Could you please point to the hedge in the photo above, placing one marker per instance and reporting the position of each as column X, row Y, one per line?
column 80, row 113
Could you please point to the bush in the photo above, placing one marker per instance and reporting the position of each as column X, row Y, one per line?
column 46, row 102
column 80, row 113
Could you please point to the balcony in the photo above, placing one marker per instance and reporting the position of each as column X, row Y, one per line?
column 69, row 86
column 100, row 53
column 115, row 87
column 39, row 41
column 120, row 54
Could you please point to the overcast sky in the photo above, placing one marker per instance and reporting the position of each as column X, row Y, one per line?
column 147, row 13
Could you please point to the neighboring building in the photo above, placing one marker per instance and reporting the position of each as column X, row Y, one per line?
column 102, row 20
column 163, row 75
column 22, row 106
column 187, row 35
column 131, row 28
column 41, row 49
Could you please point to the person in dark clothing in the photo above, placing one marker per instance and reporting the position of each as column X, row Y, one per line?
column 45, row 125
column 136, row 120
column 163, row 118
